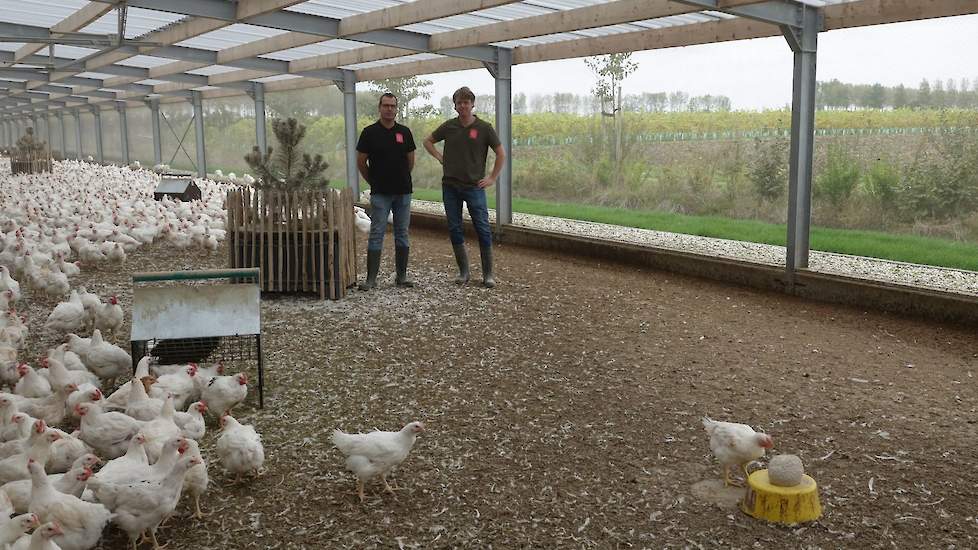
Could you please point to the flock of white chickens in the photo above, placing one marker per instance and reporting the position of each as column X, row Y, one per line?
column 56, row 425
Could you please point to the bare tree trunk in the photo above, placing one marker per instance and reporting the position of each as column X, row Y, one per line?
column 618, row 159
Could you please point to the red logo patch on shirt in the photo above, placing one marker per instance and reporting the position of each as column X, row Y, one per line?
column 473, row 133
column 399, row 137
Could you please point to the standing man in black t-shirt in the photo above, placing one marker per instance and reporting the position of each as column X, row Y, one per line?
column 468, row 139
column 385, row 158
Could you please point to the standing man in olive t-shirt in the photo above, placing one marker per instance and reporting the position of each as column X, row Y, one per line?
column 385, row 158
column 467, row 142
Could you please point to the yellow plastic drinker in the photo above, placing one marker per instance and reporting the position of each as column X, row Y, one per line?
column 787, row 505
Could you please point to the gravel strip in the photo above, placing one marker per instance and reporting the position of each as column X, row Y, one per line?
column 901, row 273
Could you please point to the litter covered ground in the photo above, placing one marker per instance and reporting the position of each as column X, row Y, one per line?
column 563, row 410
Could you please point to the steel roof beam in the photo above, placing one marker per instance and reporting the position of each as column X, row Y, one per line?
column 306, row 23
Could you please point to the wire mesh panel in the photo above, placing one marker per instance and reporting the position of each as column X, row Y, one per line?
column 213, row 349
column 180, row 321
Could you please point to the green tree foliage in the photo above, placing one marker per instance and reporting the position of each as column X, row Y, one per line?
column 838, row 178
column 768, row 172
column 519, row 104
column 610, row 71
column 406, row 89
column 942, row 182
column 289, row 168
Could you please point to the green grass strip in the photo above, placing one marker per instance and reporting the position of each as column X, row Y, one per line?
column 873, row 244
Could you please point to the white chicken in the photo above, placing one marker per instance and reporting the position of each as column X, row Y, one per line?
column 107, row 432
column 31, row 384
column 120, row 397
column 65, row 451
column 106, row 360
column 12, row 529
column 15, row 467
column 8, row 283
column 27, row 437
column 128, row 466
column 181, row 385
column 50, row 408
column 59, row 375
column 15, row 433
column 68, row 358
column 67, row 316
column 239, row 447
column 141, row 406
column 195, row 484
column 222, row 393
column 361, row 220
column 109, row 316
column 86, row 393
column 70, row 483
column 81, row 522
column 159, row 430
column 191, row 423
column 41, row 539
column 375, row 454
column 735, row 445
column 143, row 505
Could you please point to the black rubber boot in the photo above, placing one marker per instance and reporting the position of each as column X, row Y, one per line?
column 488, row 280
column 373, row 266
column 400, row 264
column 462, row 259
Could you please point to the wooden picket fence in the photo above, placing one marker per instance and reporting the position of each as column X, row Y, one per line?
column 29, row 164
column 303, row 241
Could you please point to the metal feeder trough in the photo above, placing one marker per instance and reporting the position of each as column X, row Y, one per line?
column 178, row 321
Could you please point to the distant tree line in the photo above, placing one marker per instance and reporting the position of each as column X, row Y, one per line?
column 589, row 104
column 936, row 94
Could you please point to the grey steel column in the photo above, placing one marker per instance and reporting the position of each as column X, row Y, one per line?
column 78, row 133
column 504, row 129
column 804, row 43
column 123, row 133
column 199, row 133
column 64, row 135
column 349, row 88
column 258, row 94
column 99, row 156
column 154, row 117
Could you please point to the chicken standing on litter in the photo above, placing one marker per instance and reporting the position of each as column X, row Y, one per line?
column 375, row 454
column 735, row 445
column 239, row 447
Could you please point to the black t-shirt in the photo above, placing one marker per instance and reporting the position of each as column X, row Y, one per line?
column 387, row 163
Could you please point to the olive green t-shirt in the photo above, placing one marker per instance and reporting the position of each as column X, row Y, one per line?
column 465, row 152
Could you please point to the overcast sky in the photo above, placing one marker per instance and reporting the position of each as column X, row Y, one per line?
column 756, row 74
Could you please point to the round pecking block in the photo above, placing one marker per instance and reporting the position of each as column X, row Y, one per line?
column 785, row 505
column 785, row 470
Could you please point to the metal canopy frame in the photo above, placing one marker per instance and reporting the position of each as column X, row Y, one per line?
column 187, row 49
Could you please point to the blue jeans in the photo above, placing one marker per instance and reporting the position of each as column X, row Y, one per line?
column 475, row 200
column 380, row 207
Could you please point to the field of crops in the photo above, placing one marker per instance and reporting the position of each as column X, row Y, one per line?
column 898, row 171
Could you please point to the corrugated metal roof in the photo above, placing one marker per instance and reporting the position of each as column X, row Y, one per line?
column 139, row 22
column 230, row 36
column 321, row 48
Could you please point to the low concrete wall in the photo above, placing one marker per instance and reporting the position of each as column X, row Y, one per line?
column 924, row 303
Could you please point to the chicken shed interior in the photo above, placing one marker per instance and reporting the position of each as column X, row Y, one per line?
column 563, row 408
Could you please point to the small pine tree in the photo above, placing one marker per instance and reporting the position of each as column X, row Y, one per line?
column 288, row 168
column 29, row 147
